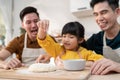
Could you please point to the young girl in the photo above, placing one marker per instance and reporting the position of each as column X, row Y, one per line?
column 72, row 42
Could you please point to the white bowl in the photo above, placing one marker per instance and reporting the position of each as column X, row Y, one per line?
column 74, row 64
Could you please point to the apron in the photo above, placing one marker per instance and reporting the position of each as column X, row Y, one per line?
column 109, row 53
column 29, row 55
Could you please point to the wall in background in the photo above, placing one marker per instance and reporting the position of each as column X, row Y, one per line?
column 2, row 31
column 57, row 11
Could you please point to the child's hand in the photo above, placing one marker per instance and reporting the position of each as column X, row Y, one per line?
column 43, row 27
column 43, row 58
column 59, row 63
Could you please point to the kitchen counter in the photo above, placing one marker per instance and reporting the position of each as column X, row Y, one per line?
column 112, row 76
column 23, row 73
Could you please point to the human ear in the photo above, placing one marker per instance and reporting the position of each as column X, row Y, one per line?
column 23, row 26
column 81, row 40
column 117, row 11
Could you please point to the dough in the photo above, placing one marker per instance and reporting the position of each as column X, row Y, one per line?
column 41, row 67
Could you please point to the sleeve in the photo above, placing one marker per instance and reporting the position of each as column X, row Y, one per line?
column 13, row 46
column 50, row 46
column 93, row 56
column 95, row 43
column 90, row 42
column 90, row 55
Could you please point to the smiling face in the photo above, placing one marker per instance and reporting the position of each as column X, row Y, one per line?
column 105, row 17
column 70, row 42
column 29, row 23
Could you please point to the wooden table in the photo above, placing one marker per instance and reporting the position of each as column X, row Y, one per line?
column 23, row 73
column 113, row 76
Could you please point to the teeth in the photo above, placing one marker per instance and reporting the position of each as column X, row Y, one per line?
column 33, row 30
column 102, row 23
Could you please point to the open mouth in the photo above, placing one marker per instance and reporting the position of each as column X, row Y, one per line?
column 102, row 25
column 34, row 31
column 66, row 44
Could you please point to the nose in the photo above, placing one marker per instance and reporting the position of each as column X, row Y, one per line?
column 34, row 24
column 99, row 18
column 66, row 39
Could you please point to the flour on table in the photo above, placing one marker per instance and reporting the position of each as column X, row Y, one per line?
column 43, row 67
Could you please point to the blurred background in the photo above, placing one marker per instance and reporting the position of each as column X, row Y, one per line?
column 59, row 12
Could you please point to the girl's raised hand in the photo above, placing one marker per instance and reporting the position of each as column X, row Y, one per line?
column 43, row 28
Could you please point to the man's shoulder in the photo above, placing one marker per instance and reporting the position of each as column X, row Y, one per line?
column 19, row 38
column 15, row 44
column 95, row 38
column 98, row 35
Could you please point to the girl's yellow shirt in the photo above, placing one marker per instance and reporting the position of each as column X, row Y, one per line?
column 55, row 49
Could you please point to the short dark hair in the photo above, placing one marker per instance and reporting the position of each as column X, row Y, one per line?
column 112, row 3
column 76, row 29
column 28, row 10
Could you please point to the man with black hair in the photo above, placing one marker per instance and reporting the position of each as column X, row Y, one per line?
column 25, row 46
column 107, row 41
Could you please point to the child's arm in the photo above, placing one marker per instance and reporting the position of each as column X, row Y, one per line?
column 45, row 41
column 43, row 27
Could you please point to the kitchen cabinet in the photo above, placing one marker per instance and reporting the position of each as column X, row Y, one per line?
column 80, row 8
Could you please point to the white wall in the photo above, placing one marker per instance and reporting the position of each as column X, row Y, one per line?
column 18, row 6
column 57, row 11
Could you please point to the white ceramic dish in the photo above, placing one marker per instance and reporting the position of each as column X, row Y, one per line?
column 74, row 64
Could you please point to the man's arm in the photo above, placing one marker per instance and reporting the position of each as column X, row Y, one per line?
column 13, row 63
column 104, row 66
column 4, row 54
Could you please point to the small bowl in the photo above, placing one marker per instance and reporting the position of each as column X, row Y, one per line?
column 74, row 64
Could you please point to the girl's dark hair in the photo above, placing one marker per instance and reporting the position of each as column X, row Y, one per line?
column 74, row 28
column 112, row 3
column 28, row 10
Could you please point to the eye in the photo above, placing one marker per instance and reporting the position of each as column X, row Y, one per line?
column 36, row 20
column 71, row 37
column 104, row 12
column 64, row 36
column 28, row 22
column 95, row 14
